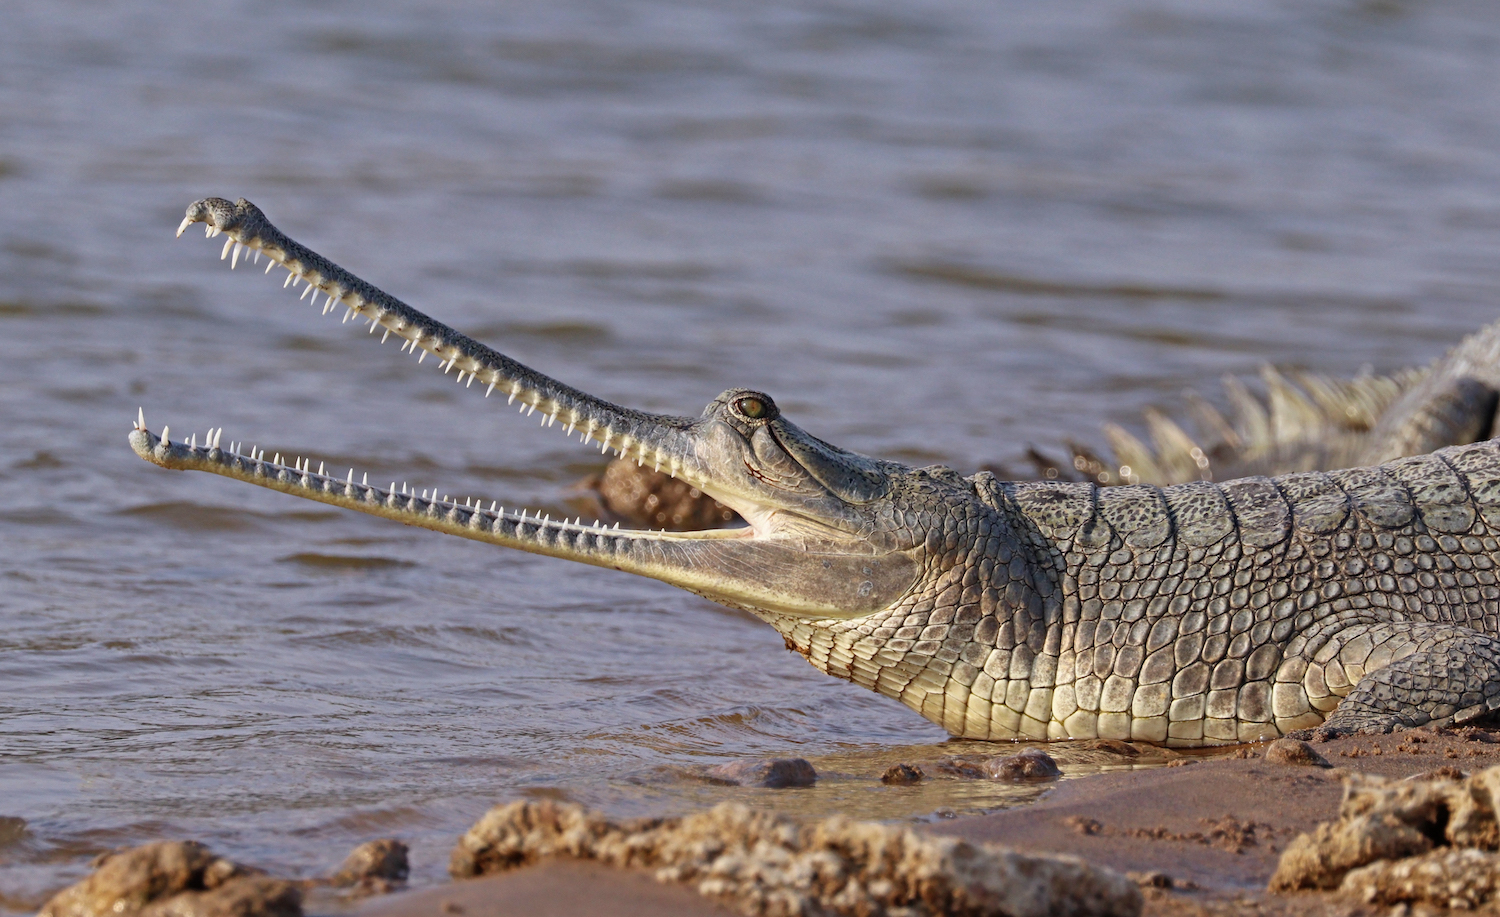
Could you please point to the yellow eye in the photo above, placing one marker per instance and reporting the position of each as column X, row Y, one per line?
column 752, row 408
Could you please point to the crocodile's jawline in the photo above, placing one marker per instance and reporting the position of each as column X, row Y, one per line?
column 1196, row 614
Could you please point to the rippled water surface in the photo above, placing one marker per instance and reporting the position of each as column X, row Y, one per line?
column 935, row 232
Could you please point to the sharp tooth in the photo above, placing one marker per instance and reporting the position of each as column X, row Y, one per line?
column 228, row 244
column 551, row 419
column 181, row 227
column 166, row 435
column 512, row 397
column 140, row 418
column 492, row 506
column 488, row 390
column 270, row 262
column 422, row 357
column 531, row 409
column 320, row 469
column 208, row 231
column 386, row 335
column 470, row 382
column 364, row 480
column 571, row 425
column 236, row 257
column 257, row 257
column 309, row 289
column 351, row 477
column 192, row 440
column 346, row 317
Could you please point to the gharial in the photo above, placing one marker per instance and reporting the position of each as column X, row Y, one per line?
column 1203, row 613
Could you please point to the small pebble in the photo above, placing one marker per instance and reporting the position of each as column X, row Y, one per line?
column 902, row 775
column 771, row 773
column 1294, row 752
column 375, row 866
column 1031, row 764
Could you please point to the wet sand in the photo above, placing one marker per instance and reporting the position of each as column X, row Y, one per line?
column 1202, row 837
column 553, row 889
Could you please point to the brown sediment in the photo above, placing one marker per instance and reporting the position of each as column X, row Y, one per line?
column 1208, row 839
column 556, row 888
column 1202, row 840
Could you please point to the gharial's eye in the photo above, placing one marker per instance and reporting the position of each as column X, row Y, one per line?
column 752, row 408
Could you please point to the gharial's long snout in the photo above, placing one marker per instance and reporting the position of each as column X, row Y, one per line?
column 809, row 549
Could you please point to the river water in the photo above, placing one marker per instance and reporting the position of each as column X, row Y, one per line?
column 935, row 232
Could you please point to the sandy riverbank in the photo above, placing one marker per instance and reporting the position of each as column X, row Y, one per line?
column 1211, row 831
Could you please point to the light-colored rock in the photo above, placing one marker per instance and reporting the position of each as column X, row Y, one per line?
column 1321, row 859
column 1458, row 878
column 767, row 864
column 1472, row 821
column 1429, row 840
column 374, row 867
column 174, row 879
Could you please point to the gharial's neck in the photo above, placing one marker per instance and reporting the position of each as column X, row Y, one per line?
column 986, row 612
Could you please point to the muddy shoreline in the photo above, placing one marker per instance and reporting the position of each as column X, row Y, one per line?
column 1200, row 837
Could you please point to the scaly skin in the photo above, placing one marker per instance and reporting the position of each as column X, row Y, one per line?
column 1196, row 614
column 1307, row 422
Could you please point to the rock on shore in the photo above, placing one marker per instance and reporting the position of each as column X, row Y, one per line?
column 765, row 864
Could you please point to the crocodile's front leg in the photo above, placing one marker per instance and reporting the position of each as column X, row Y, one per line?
column 1405, row 675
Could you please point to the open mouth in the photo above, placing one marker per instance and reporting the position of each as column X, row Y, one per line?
column 790, row 491
column 249, row 236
